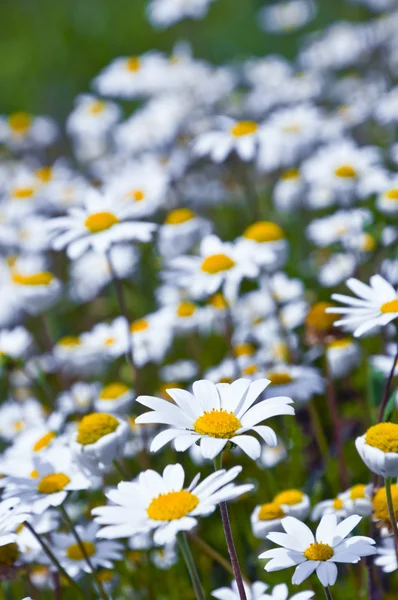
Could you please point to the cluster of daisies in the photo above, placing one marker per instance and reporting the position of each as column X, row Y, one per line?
column 175, row 329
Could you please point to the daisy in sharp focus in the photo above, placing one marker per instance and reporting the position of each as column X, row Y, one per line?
column 308, row 553
column 215, row 414
column 99, row 224
column 161, row 504
column 378, row 448
column 376, row 306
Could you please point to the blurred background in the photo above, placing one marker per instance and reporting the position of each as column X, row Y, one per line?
column 51, row 49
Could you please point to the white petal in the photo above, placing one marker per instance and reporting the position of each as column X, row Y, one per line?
column 303, row 571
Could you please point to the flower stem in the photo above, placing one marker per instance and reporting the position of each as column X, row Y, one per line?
column 82, row 547
column 328, row 593
column 229, row 539
column 121, row 470
column 391, row 512
column 336, row 424
column 189, row 561
column 55, row 562
column 387, row 389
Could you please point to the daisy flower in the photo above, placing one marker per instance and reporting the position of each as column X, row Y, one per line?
column 101, row 553
column 115, row 397
column 22, row 131
column 12, row 514
column 181, row 231
column 92, row 116
column 342, row 355
column 287, row 16
column 299, row 382
column 265, row 242
column 228, row 136
column 163, row 13
column 376, row 306
column 15, row 343
column 99, row 224
column 161, row 504
column 378, row 448
column 215, row 414
column 320, row 553
column 268, row 517
column 253, row 592
column 387, row 556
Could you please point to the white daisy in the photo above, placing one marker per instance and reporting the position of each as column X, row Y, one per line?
column 376, row 306
column 343, row 355
column 228, row 136
column 163, row 13
column 99, row 224
column 281, row 592
column 115, row 397
column 387, row 556
column 12, row 514
column 320, row 553
column 253, row 592
column 215, row 414
column 15, row 343
column 299, row 382
column 92, row 116
column 378, row 448
column 160, row 503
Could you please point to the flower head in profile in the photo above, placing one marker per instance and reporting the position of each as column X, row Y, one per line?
column 215, row 414
column 161, row 504
column 307, row 553
column 378, row 448
column 376, row 306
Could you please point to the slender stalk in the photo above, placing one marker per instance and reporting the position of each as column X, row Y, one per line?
column 57, row 586
column 387, row 389
column 82, row 547
column 121, row 470
column 229, row 539
column 216, row 556
column 328, row 593
column 336, row 423
column 318, row 432
column 193, row 573
column 391, row 512
column 54, row 560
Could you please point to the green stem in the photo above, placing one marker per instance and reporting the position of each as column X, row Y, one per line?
column 328, row 593
column 193, row 573
column 121, row 470
column 82, row 547
column 391, row 512
column 54, row 560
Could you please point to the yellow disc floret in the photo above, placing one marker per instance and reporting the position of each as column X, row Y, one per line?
column 319, row 551
column 8, row 554
column 279, row 378
column 133, row 64
column 100, row 221
column 392, row 194
column 290, row 174
column 264, row 231
column 317, row 317
column 97, row 107
column 383, row 436
column 172, row 506
column 346, row 172
column 20, row 122
column 41, row 278
column 217, row 263
column 69, row 341
column 390, row 307
column 186, row 309
column 22, row 193
column 44, row 441
column 137, row 195
column 217, row 423
column 338, row 504
column 244, row 128
column 380, row 507
column 270, row 511
column 358, row 491
column 74, row 552
column 290, row 497
column 243, row 350
column 339, row 344
column 112, row 391
column 93, row 427
column 53, row 483
column 139, row 325
column 180, row 215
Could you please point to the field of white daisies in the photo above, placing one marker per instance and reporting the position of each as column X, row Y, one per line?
column 198, row 310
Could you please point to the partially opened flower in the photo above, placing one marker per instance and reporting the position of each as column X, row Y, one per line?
column 160, row 503
column 376, row 306
column 214, row 415
column 308, row 553
column 378, row 448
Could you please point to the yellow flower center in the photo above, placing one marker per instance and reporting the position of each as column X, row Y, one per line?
column 172, row 506
column 368, row 242
column 358, row 491
column 279, row 378
column 280, row 351
column 342, row 343
column 243, row 350
column 139, row 325
column 186, row 309
column 44, row 441
column 41, row 278
column 318, row 318
column 338, row 504
column 109, row 341
column 270, row 511
column 383, row 436
column 74, row 552
column 51, row 484
column 346, row 172
column 100, row 221
column 289, row 497
column 180, row 215
column 69, row 341
column 8, row 554
column 244, row 128
column 218, row 301
column 19, row 425
column 226, row 380
column 113, row 391
column 217, row 423
column 380, row 507
column 97, row 107
column 137, row 195
column 44, row 174
column 93, row 427
column 290, row 174
column 319, row 551
column 390, row 307
column 133, row 64
column 19, row 122
column 21, row 193
column 292, row 128
column 264, row 231
column 250, row 370
column 392, row 194
column 34, row 474
column 217, row 263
